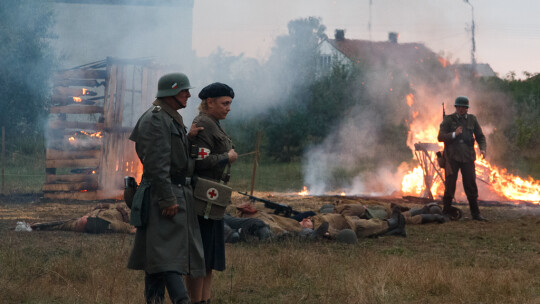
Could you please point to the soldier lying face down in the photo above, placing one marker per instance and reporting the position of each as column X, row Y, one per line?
column 102, row 219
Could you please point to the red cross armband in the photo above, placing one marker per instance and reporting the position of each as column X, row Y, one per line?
column 202, row 153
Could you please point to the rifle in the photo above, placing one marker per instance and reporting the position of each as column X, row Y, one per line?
column 443, row 112
column 278, row 207
column 46, row 225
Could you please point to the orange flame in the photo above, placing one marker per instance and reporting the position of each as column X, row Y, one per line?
column 443, row 62
column 413, row 183
column 96, row 134
column 499, row 181
column 410, row 99
column 304, row 192
column 84, row 91
column 77, row 99
column 510, row 186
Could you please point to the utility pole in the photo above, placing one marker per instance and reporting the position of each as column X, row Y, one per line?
column 369, row 22
column 473, row 47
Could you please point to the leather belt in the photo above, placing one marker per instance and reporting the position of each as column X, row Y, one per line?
column 181, row 180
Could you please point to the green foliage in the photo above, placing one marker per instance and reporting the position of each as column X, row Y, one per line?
column 27, row 63
column 520, row 137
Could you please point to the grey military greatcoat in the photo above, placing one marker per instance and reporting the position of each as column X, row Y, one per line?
column 166, row 244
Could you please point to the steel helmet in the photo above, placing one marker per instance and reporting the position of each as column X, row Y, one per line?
column 347, row 236
column 462, row 101
column 171, row 84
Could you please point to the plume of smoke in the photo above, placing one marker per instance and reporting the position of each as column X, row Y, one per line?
column 356, row 142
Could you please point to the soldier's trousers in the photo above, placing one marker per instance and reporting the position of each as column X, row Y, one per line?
column 155, row 283
column 468, row 175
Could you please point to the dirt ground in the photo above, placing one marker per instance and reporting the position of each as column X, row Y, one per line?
column 457, row 262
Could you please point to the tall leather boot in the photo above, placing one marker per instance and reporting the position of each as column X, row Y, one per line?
column 396, row 224
column 447, row 207
column 475, row 211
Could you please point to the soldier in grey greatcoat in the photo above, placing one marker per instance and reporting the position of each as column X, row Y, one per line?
column 458, row 131
column 167, row 242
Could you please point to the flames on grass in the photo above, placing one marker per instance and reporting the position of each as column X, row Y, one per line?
column 500, row 182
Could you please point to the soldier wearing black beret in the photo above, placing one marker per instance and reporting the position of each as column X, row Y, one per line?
column 216, row 89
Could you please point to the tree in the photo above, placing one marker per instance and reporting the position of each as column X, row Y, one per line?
column 27, row 63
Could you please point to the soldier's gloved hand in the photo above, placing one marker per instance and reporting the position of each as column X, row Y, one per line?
column 232, row 156
column 459, row 130
column 170, row 211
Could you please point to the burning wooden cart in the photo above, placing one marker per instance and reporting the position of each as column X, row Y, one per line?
column 94, row 108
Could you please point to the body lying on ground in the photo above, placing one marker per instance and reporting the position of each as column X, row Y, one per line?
column 103, row 218
column 250, row 222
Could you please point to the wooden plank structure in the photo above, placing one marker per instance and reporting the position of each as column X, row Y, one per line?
column 426, row 154
column 94, row 108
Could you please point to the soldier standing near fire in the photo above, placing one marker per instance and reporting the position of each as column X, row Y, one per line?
column 168, row 241
column 458, row 131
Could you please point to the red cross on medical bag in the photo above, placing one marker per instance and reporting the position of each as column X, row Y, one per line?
column 211, row 198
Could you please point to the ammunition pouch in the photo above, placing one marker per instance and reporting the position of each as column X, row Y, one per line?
column 211, row 198
column 441, row 159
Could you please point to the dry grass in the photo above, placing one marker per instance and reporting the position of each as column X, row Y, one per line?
column 457, row 262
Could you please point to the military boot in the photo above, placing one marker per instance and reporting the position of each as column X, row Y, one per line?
column 453, row 213
column 447, row 208
column 480, row 218
column 396, row 224
column 475, row 211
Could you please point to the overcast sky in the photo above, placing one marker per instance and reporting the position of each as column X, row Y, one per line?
column 507, row 32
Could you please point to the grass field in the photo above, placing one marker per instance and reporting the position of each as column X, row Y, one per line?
column 456, row 262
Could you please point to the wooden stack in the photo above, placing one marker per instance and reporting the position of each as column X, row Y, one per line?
column 94, row 108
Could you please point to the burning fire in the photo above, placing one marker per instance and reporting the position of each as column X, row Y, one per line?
column 304, row 192
column 508, row 185
column 77, row 99
column 443, row 62
column 502, row 183
column 83, row 137
column 80, row 133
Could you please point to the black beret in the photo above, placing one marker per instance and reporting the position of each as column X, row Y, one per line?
column 216, row 89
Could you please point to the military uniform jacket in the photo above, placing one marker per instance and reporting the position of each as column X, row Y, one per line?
column 166, row 244
column 214, row 138
column 461, row 148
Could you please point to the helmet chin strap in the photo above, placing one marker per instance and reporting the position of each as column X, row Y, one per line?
column 178, row 102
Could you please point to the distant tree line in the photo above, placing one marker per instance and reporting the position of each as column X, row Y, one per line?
column 302, row 108
column 27, row 62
